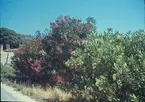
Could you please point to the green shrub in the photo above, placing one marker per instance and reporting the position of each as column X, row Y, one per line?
column 111, row 66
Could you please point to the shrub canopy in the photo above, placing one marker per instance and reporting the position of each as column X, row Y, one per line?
column 106, row 67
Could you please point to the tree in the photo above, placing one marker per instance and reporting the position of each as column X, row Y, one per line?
column 38, row 34
column 9, row 36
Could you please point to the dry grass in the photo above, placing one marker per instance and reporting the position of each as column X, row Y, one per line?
column 49, row 93
column 57, row 93
column 37, row 91
column 3, row 56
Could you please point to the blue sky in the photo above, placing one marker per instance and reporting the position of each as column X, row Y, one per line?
column 27, row 16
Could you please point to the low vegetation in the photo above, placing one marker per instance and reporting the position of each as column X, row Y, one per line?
column 35, row 91
column 75, row 63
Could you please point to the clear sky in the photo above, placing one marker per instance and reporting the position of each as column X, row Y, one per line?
column 27, row 16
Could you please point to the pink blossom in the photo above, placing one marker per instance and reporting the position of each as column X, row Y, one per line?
column 69, row 51
column 35, row 69
column 57, row 79
column 62, row 37
column 57, row 22
column 53, row 28
column 35, row 66
column 70, row 68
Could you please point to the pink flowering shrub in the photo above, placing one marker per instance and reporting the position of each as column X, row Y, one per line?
column 27, row 59
column 44, row 59
column 56, row 79
column 66, row 35
column 35, row 66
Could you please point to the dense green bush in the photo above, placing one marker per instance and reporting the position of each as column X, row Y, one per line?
column 9, row 36
column 111, row 67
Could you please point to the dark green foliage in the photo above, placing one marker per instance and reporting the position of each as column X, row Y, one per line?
column 8, row 36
